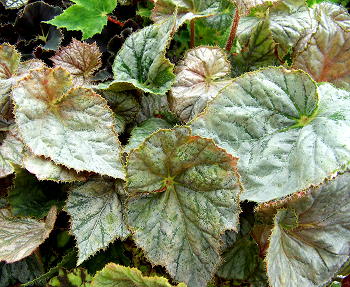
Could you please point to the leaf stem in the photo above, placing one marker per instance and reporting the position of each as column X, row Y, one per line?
column 115, row 21
column 233, row 31
column 193, row 33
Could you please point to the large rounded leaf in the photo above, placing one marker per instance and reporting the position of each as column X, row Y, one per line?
column 286, row 138
column 199, row 76
column 183, row 195
column 310, row 239
column 73, row 127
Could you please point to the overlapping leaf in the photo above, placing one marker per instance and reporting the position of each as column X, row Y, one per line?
column 183, row 193
column 121, row 276
column 19, row 237
column 141, row 132
column 141, row 62
column 199, row 76
column 287, row 138
column 69, row 126
column 88, row 16
column 310, row 239
column 326, row 56
column 185, row 10
column 245, row 6
column 97, row 217
column 14, row 4
column 80, row 59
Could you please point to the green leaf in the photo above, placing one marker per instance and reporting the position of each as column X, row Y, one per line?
column 152, row 106
column 88, row 16
column 141, row 62
column 326, row 56
column 141, row 132
column 80, row 59
column 312, row 252
column 32, row 198
column 21, row 271
column 245, row 6
column 240, row 261
column 183, row 193
column 286, row 136
column 116, row 275
column 70, row 126
column 97, row 216
column 199, row 76
column 45, row 169
column 77, row 277
column 185, row 10
column 19, row 237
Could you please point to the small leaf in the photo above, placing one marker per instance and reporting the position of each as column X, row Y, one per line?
column 326, row 56
column 288, row 133
column 199, row 76
column 76, row 125
column 96, row 215
column 141, row 132
column 313, row 251
column 88, row 16
column 80, row 59
column 141, row 62
column 14, row 4
column 45, row 169
column 9, row 63
column 185, row 10
column 152, row 106
column 116, row 275
column 77, row 277
column 19, row 237
column 245, row 6
column 183, row 192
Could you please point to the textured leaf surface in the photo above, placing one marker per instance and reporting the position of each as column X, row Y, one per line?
column 140, row 133
column 9, row 62
column 80, row 59
column 246, row 5
column 88, row 16
column 141, row 62
column 326, row 57
column 19, row 237
column 76, row 124
column 183, row 193
column 311, row 253
column 32, row 198
column 152, row 106
column 45, row 169
column 11, row 152
column 185, row 10
column 14, row 4
column 96, row 215
column 285, row 136
column 116, row 275
column 22, row 271
column 199, row 76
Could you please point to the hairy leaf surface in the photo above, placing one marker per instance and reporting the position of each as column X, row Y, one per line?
column 326, row 56
column 141, row 62
column 199, row 76
column 287, row 138
column 309, row 247
column 96, row 215
column 19, row 237
column 69, row 126
column 80, row 59
column 88, row 16
column 183, row 193
column 116, row 275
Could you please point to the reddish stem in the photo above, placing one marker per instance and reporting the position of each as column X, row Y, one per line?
column 193, row 34
column 115, row 21
column 233, row 32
